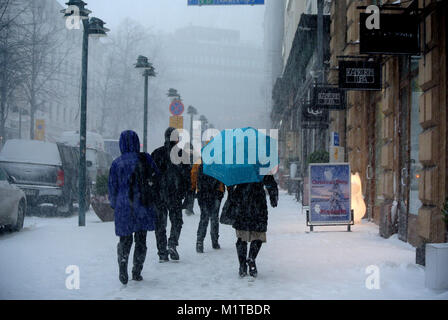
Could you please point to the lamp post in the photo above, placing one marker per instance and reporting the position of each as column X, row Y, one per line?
column 204, row 123
column 192, row 112
column 143, row 63
column 95, row 28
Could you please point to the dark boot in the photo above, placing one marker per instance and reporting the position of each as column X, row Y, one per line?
column 173, row 253
column 139, row 255
column 241, row 249
column 215, row 245
column 255, row 247
column 123, row 249
column 200, row 247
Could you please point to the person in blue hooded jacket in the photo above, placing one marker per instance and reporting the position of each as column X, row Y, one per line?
column 134, row 213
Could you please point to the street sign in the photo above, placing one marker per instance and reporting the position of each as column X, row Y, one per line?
column 224, row 2
column 330, row 194
column 39, row 131
column 177, row 108
column 335, row 139
column 330, row 98
column 313, row 114
column 337, row 154
column 177, row 122
column 359, row 75
column 398, row 35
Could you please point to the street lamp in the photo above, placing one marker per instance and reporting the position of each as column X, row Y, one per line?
column 94, row 27
column 192, row 112
column 148, row 71
column 204, row 123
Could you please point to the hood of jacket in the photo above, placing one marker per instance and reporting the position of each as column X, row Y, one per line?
column 129, row 142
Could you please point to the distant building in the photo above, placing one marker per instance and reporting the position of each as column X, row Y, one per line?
column 217, row 73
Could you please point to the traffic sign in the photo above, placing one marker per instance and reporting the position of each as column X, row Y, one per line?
column 177, row 122
column 177, row 108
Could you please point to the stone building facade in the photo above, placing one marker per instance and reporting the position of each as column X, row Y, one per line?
column 396, row 139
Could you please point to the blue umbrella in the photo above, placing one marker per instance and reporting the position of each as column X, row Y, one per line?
column 237, row 156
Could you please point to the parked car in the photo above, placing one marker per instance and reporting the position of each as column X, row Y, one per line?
column 98, row 161
column 46, row 172
column 112, row 147
column 12, row 203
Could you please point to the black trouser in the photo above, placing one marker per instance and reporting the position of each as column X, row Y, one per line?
column 189, row 201
column 124, row 249
column 209, row 211
column 241, row 249
column 175, row 214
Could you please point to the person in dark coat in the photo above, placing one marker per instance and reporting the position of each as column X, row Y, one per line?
column 251, row 219
column 132, row 217
column 173, row 184
column 209, row 193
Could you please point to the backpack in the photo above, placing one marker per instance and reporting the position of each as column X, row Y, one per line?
column 173, row 185
column 142, row 182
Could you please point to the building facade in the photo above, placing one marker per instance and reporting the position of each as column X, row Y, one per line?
column 396, row 138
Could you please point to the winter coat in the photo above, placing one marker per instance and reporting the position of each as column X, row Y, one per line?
column 128, row 218
column 208, row 189
column 251, row 207
column 174, row 180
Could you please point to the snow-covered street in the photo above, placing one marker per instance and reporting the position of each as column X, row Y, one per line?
column 327, row 264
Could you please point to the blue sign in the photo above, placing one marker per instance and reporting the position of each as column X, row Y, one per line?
column 177, row 108
column 330, row 194
column 335, row 142
column 223, row 2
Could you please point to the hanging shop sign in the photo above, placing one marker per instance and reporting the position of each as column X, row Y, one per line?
column 359, row 75
column 312, row 114
column 330, row 98
column 330, row 195
column 397, row 34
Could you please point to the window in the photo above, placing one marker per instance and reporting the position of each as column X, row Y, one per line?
column 3, row 176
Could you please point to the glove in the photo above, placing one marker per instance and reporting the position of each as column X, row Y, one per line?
column 274, row 201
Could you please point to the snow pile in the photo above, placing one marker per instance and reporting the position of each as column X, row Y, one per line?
column 327, row 264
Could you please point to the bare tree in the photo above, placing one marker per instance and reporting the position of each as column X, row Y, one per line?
column 43, row 59
column 11, row 57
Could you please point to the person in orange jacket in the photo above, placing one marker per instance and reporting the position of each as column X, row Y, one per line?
column 209, row 194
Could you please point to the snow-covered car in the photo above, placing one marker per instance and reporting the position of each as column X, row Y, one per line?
column 12, row 203
column 46, row 172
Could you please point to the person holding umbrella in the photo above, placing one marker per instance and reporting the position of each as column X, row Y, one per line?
column 251, row 220
column 246, row 207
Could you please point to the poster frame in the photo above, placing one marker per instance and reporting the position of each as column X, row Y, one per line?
column 309, row 222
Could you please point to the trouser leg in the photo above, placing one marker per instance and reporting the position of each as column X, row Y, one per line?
column 139, row 252
column 241, row 249
column 214, row 221
column 203, row 223
column 123, row 250
column 176, row 226
column 255, row 247
column 160, row 230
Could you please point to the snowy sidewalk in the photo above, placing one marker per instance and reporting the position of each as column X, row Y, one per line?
column 294, row 264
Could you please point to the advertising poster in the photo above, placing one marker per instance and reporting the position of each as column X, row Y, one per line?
column 330, row 194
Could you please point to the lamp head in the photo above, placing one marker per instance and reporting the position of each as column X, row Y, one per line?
column 97, row 29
